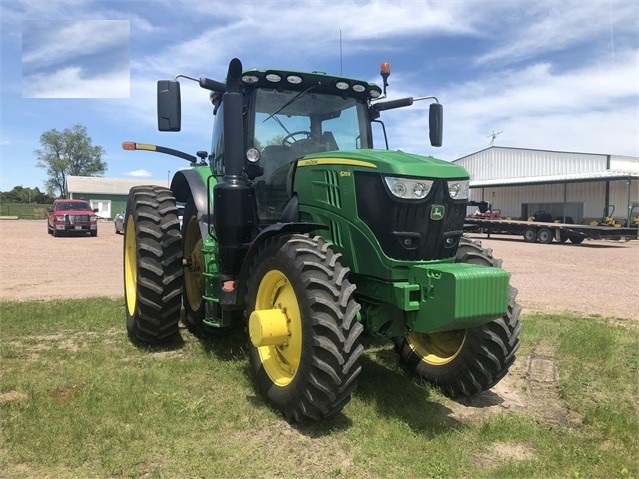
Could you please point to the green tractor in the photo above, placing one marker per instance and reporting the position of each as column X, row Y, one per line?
column 300, row 233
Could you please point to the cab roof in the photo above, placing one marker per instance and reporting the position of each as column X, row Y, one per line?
column 317, row 81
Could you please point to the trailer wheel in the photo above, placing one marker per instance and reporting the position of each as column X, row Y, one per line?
column 152, row 265
column 576, row 239
column 466, row 361
column 304, row 335
column 530, row 235
column 545, row 235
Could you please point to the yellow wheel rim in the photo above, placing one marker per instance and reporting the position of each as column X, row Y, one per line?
column 194, row 270
column 437, row 348
column 282, row 361
column 130, row 266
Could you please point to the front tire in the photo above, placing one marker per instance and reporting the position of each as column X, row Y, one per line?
column 311, row 373
column 152, row 265
column 466, row 361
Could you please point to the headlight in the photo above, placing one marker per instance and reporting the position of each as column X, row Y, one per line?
column 252, row 155
column 408, row 188
column 458, row 190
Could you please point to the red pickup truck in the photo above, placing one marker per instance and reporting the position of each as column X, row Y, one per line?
column 71, row 216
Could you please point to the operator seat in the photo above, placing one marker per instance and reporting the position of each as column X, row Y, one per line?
column 273, row 158
column 306, row 146
column 328, row 141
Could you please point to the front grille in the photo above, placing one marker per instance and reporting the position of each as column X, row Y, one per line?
column 404, row 228
column 78, row 219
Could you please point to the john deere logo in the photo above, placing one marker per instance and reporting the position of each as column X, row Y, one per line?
column 436, row 212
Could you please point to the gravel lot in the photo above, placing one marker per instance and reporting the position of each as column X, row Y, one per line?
column 596, row 277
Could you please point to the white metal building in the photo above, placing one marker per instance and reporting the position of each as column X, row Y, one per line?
column 583, row 186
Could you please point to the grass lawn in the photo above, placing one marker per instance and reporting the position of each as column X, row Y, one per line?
column 24, row 210
column 77, row 399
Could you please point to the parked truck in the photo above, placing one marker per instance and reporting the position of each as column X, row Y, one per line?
column 72, row 217
column 299, row 232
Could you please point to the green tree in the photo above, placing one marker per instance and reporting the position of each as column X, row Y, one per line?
column 68, row 153
column 20, row 194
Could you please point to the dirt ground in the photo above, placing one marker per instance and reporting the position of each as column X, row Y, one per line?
column 35, row 265
column 596, row 277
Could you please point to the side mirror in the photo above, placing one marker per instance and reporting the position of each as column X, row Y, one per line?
column 169, row 106
column 435, row 123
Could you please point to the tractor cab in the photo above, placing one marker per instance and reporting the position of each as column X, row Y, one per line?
column 288, row 116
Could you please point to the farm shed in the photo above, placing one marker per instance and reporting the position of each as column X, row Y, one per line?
column 108, row 195
column 583, row 186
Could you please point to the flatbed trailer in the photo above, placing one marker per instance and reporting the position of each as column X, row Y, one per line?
column 543, row 232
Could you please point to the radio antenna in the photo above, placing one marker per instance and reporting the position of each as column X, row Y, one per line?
column 492, row 137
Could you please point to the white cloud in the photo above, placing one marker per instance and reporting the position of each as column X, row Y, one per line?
column 5, row 142
column 530, row 29
column 302, row 31
column 139, row 173
column 592, row 108
column 72, row 82
column 54, row 42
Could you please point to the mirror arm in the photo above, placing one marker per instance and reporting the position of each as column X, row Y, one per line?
column 426, row 98
column 205, row 83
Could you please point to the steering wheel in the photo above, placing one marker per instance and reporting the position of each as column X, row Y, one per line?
column 289, row 139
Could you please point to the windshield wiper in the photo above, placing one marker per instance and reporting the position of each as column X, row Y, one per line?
column 295, row 98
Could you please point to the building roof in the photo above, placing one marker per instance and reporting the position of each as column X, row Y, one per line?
column 505, row 166
column 570, row 178
column 533, row 150
column 107, row 186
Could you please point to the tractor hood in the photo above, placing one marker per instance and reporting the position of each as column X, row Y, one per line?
column 389, row 162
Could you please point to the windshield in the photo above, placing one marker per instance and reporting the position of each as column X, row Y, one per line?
column 289, row 125
column 70, row 205
column 309, row 122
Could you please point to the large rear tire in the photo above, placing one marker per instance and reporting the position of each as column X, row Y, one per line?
column 152, row 265
column 194, row 280
column 194, row 267
column 466, row 361
column 311, row 373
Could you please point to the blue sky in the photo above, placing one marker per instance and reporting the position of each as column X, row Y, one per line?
column 550, row 75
